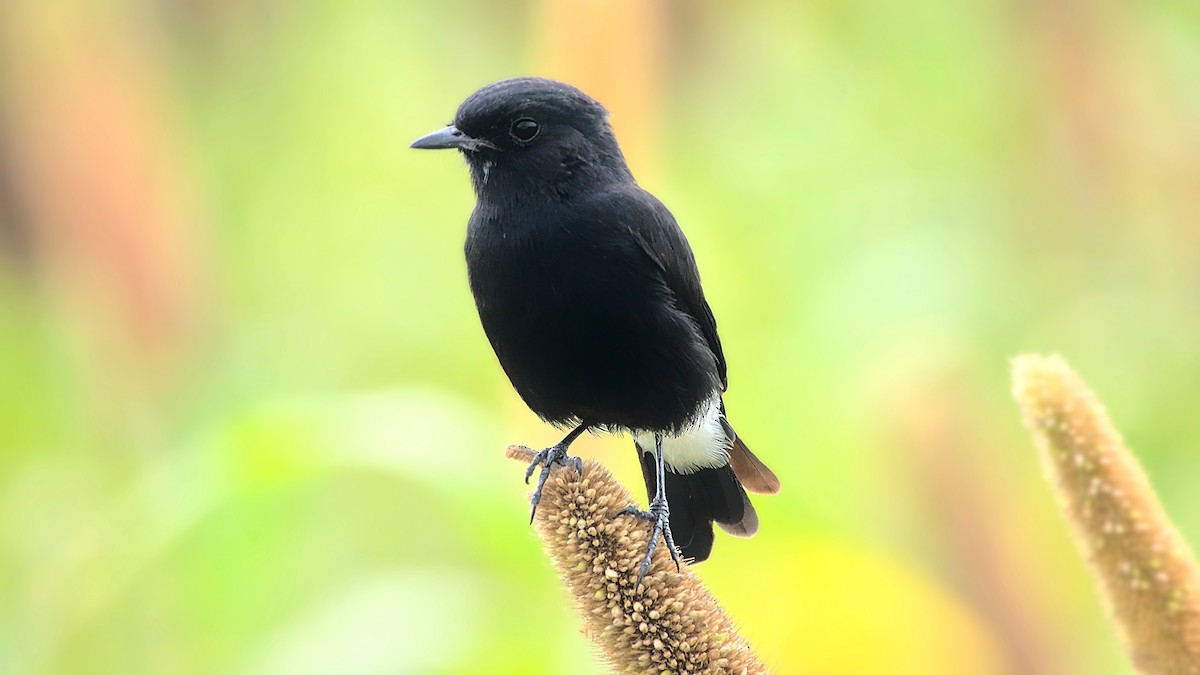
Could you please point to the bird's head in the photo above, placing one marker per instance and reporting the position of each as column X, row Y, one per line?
column 532, row 136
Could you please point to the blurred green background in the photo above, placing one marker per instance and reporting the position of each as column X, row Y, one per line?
column 249, row 423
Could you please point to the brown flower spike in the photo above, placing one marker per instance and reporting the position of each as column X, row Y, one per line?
column 668, row 624
column 1147, row 575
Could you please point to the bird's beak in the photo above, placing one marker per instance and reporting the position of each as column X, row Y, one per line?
column 449, row 137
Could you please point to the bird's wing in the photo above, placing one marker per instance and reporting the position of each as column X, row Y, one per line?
column 659, row 236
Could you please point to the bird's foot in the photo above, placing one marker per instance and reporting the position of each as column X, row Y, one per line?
column 660, row 515
column 546, row 459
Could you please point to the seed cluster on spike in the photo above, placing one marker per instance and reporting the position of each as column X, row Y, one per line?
column 667, row 624
column 1148, row 576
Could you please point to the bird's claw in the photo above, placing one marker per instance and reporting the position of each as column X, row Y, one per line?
column 659, row 514
column 546, row 459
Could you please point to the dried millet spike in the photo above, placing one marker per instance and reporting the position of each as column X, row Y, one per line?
column 669, row 624
column 1147, row 575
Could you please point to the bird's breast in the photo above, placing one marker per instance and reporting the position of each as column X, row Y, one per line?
column 583, row 325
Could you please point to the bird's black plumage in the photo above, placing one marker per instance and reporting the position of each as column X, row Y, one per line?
column 581, row 315
column 590, row 296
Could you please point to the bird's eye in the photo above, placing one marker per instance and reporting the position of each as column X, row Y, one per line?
column 524, row 130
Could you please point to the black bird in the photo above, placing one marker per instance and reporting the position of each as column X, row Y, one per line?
column 590, row 296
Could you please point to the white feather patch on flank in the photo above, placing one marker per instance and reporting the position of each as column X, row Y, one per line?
column 703, row 445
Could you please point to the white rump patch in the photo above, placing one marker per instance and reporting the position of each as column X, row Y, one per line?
column 703, row 445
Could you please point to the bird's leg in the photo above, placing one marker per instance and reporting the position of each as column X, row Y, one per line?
column 659, row 513
column 546, row 458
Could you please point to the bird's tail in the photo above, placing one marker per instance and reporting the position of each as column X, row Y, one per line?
column 750, row 470
column 704, row 496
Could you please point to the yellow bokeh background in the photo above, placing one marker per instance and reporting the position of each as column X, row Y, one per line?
column 249, row 422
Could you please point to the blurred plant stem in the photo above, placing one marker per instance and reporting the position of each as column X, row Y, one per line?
column 669, row 623
column 94, row 166
column 943, row 444
column 1147, row 575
